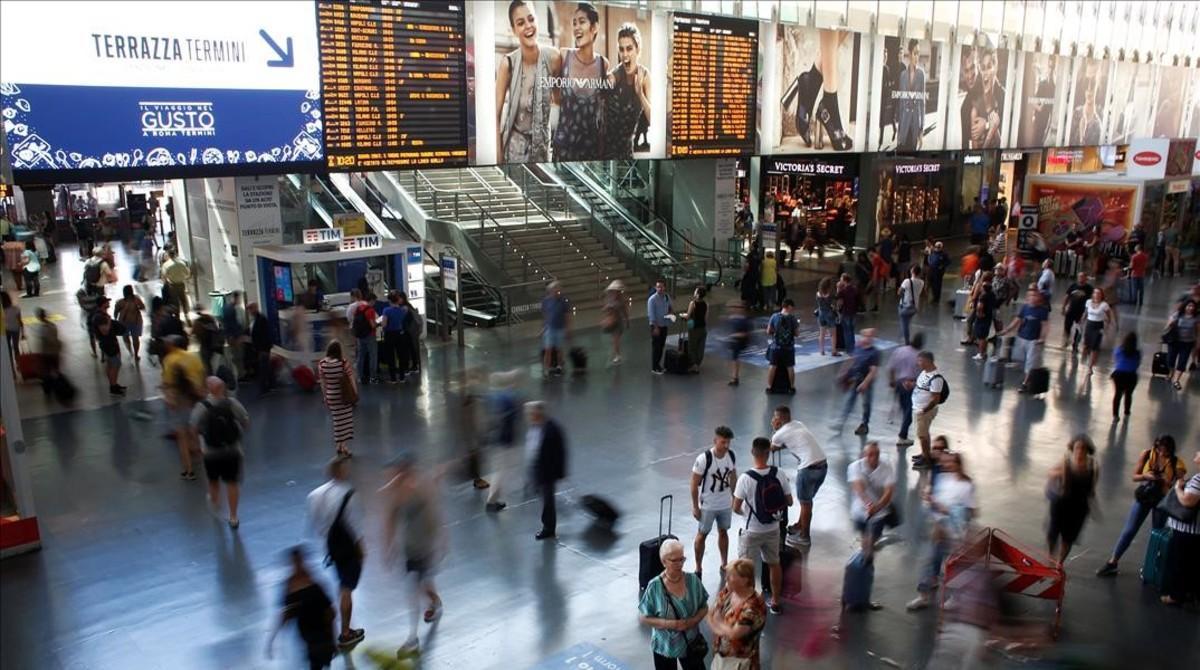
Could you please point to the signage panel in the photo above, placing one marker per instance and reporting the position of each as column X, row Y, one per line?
column 113, row 87
column 322, row 235
column 714, row 68
column 360, row 242
column 1147, row 158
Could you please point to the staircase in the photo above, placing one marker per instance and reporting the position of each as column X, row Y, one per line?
column 643, row 246
column 488, row 186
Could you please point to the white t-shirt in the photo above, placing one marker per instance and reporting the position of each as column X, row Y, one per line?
column 876, row 482
column 928, row 384
column 716, row 490
column 800, row 441
column 1096, row 311
column 1045, row 282
column 744, row 491
column 910, row 292
column 950, row 492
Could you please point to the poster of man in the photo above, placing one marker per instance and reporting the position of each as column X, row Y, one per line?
column 977, row 119
column 1043, row 99
column 1089, row 99
column 910, row 96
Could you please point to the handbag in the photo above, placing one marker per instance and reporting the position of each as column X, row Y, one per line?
column 349, row 391
column 1149, row 493
column 697, row 647
column 1175, row 508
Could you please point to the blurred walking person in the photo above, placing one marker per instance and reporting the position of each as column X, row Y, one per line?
column 1126, row 359
column 412, row 533
column 546, row 447
column 305, row 602
column 614, row 318
column 336, row 518
column 505, row 451
column 950, row 502
column 182, row 386
column 221, row 421
column 128, row 312
column 1071, row 490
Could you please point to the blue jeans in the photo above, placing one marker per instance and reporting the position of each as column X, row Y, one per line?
column 1137, row 516
column 905, row 396
column 848, row 332
column 932, row 570
column 905, row 319
column 366, row 356
column 851, row 395
column 1137, row 288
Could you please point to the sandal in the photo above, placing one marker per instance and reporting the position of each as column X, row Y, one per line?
column 433, row 612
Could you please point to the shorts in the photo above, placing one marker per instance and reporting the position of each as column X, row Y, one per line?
column 180, row 417
column 422, row 567
column 113, row 361
column 924, row 421
column 224, row 465
column 783, row 356
column 982, row 328
column 554, row 338
column 759, row 545
column 1093, row 335
column 133, row 330
column 808, row 482
column 723, row 517
column 1028, row 351
column 348, row 572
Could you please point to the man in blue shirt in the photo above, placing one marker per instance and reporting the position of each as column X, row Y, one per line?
column 978, row 224
column 937, row 261
column 556, row 316
column 658, row 308
column 782, row 331
column 1032, row 324
column 859, row 379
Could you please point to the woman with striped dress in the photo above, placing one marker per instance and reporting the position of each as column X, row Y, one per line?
column 333, row 371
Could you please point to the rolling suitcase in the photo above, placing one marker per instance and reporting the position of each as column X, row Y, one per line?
column 960, row 303
column 1039, row 381
column 675, row 361
column 1155, row 562
column 29, row 366
column 304, row 377
column 858, row 582
column 1159, row 366
column 993, row 372
column 1006, row 348
column 600, row 509
column 578, row 358
column 649, row 564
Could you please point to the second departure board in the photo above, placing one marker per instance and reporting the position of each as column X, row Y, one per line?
column 713, row 83
column 393, row 83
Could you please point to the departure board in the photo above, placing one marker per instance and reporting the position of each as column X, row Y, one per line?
column 393, row 83
column 714, row 65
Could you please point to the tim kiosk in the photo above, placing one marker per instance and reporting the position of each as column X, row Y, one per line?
column 304, row 289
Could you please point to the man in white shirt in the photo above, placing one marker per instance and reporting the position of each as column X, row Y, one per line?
column 872, row 485
column 926, row 396
column 811, row 466
column 330, row 502
column 763, row 510
column 1045, row 282
column 713, row 476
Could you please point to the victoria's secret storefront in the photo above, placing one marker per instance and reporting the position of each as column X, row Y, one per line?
column 913, row 195
column 825, row 188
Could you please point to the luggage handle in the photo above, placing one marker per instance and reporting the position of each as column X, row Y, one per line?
column 662, row 503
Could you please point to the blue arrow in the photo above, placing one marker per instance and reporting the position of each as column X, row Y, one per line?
column 286, row 58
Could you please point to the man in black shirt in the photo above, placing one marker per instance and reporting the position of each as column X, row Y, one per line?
column 108, row 337
column 1073, row 308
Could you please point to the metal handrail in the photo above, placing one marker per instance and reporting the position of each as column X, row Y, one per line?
column 600, row 269
column 475, row 173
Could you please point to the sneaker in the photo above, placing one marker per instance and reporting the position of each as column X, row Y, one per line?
column 733, row 382
column 861, row 430
column 1109, row 569
column 410, row 648
column 904, row 442
column 616, row 360
column 919, row 603
column 496, row 506
column 347, row 640
column 116, row 390
column 977, row 357
column 775, row 608
column 658, row 371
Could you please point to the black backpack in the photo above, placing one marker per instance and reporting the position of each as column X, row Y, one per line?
column 221, row 428
column 361, row 327
column 340, row 543
column 944, row 395
column 91, row 271
column 770, row 500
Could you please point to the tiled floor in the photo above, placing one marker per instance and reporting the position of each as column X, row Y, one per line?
column 134, row 574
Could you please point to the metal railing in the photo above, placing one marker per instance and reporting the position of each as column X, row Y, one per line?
column 528, row 178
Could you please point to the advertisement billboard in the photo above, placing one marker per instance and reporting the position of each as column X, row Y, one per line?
column 1089, row 102
column 911, row 100
column 1099, row 211
column 1131, row 108
column 206, row 85
column 1169, row 105
column 977, row 110
column 819, row 80
column 1043, row 97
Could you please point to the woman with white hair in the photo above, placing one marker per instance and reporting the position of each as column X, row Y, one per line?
column 673, row 605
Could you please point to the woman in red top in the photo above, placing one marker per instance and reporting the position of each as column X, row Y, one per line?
column 880, row 271
column 737, row 619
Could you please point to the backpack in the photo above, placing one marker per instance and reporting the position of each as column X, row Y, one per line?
column 339, row 542
column 944, row 395
column 785, row 333
column 770, row 500
column 221, row 428
column 91, row 271
column 361, row 326
column 708, row 461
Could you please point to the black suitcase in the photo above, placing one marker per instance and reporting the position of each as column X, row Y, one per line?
column 675, row 362
column 578, row 359
column 62, row 388
column 649, row 564
column 1159, row 366
column 602, row 510
column 839, row 337
column 1039, row 381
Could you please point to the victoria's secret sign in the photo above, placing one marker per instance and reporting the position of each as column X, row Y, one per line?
column 807, row 167
column 918, row 168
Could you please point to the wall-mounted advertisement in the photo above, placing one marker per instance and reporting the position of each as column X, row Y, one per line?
column 1191, row 112
column 1089, row 102
column 910, row 104
column 1130, row 110
column 817, row 88
column 572, row 82
column 210, row 86
column 1042, row 93
column 1100, row 212
column 1172, row 92
column 977, row 110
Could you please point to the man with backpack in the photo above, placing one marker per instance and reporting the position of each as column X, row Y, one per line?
column 97, row 272
column 713, row 476
column 362, row 325
column 929, row 391
column 220, row 421
column 337, row 519
column 762, row 496
column 782, row 331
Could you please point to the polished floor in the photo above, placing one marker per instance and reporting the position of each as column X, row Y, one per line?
column 135, row 574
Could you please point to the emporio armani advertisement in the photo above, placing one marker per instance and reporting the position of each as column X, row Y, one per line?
column 1089, row 102
column 1043, row 96
column 977, row 111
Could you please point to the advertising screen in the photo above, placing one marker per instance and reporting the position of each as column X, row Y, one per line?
column 912, row 96
column 572, row 82
column 394, row 83
column 977, row 110
column 94, row 89
column 1172, row 92
column 714, row 71
column 1089, row 102
column 1043, row 99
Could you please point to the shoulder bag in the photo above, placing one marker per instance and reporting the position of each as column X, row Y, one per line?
column 1174, row 508
column 349, row 391
column 697, row 647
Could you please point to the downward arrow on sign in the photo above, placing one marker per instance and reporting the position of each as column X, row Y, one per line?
column 286, row 57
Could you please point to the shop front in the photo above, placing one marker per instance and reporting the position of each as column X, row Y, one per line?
column 825, row 190
column 979, row 177
column 1015, row 167
column 912, row 195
